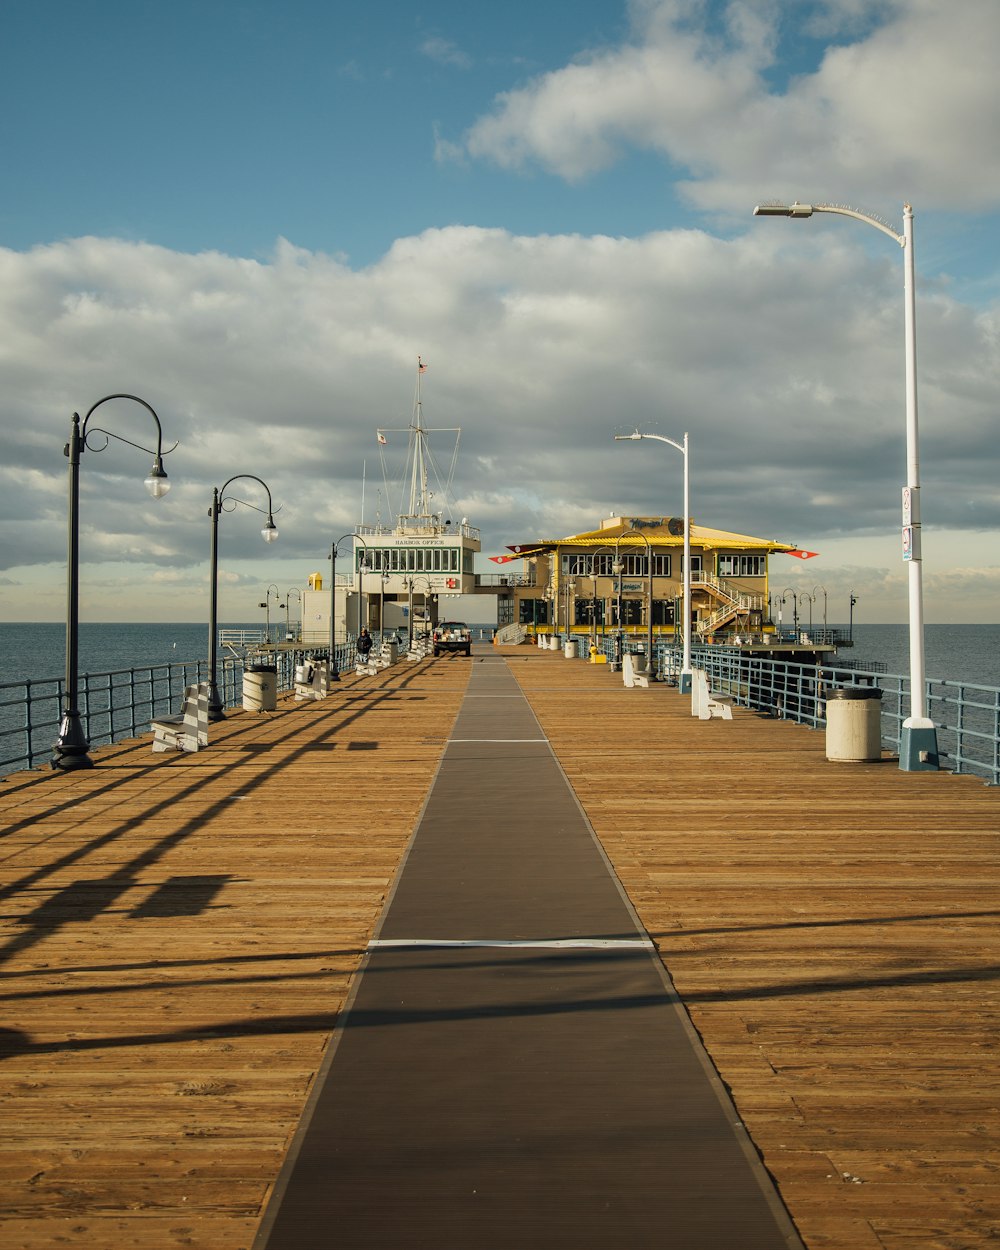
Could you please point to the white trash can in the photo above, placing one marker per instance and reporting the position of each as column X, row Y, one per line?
column 569, row 650
column 260, row 688
column 854, row 724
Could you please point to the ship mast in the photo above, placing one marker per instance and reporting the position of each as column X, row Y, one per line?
column 420, row 517
column 419, row 497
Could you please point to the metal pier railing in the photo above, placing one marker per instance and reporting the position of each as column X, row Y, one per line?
column 121, row 704
column 967, row 715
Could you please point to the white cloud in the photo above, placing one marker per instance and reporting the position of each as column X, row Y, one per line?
column 784, row 365
column 445, row 52
column 907, row 109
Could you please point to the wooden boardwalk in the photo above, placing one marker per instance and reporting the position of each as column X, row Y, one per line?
column 180, row 933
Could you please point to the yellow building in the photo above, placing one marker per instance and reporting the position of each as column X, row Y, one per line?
column 609, row 579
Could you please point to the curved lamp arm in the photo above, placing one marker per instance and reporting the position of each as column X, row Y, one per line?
column 270, row 530
column 156, row 483
column 807, row 210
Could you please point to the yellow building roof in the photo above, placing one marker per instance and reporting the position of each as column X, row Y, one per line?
column 661, row 532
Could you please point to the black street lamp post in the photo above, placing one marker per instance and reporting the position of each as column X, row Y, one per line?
column 216, row 711
column 825, row 627
column 71, row 748
column 795, row 608
column 426, row 596
column 650, row 666
column 266, row 605
column 294, row 590
column 806, row 597
column 334, row 670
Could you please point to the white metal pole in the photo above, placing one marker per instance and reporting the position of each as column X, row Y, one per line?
column 918, row 747
column 918, row 711
column 684, row 684
column 686, row 667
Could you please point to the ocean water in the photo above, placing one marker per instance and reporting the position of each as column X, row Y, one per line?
column 164, row 656
column 38, row 651
column 964, row 653
column 967, row 654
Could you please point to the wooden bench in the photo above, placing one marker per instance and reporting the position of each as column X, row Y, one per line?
column 188, row 731
column 632, row 674
column 705, row 703
column 312, row 680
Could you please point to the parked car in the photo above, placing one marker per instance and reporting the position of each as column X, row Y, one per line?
column 452, row 636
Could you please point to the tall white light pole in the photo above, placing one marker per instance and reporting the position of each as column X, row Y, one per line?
column 918, row 749
column 685, row 677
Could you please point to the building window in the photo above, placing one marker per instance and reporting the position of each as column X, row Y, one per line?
column 589, row 612
column 533, row 612
column 634, row 564
column 742, row 566
column 631, row 611
column 663, row 612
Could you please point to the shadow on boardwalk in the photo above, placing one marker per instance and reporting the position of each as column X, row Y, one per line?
column 181, row 934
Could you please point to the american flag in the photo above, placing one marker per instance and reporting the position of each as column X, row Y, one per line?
column 382, row 438
column 421, row 367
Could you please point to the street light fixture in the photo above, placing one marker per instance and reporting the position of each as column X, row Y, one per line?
column 616, row 569
column 918, row 749
column 333, row 668
column 428, row 595
column 266, row 605
column 823, row 588
column 569, row 598
column 795, row 610
column 650, row 666
column 593, row 580
column 383, row 580
column 684, row 683
column 71, row 747
column 408, row 583
column 293, row 590
column 364, row 566
column 269, row 533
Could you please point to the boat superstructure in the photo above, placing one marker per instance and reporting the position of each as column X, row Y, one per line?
column 401, row 571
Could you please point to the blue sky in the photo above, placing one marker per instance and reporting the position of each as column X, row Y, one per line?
column 256, row 216
column 224, row 125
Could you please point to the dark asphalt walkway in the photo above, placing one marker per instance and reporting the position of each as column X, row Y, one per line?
column 514, row 1070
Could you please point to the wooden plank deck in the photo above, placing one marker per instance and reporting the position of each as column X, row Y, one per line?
column 180, row 932
column 832, row 929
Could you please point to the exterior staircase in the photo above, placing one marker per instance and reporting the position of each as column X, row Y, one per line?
column 511, row 635
column 732, row 602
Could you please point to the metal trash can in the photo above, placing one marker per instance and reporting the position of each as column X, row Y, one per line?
column 569, row 650
column 260, row 688
column 854, row 724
